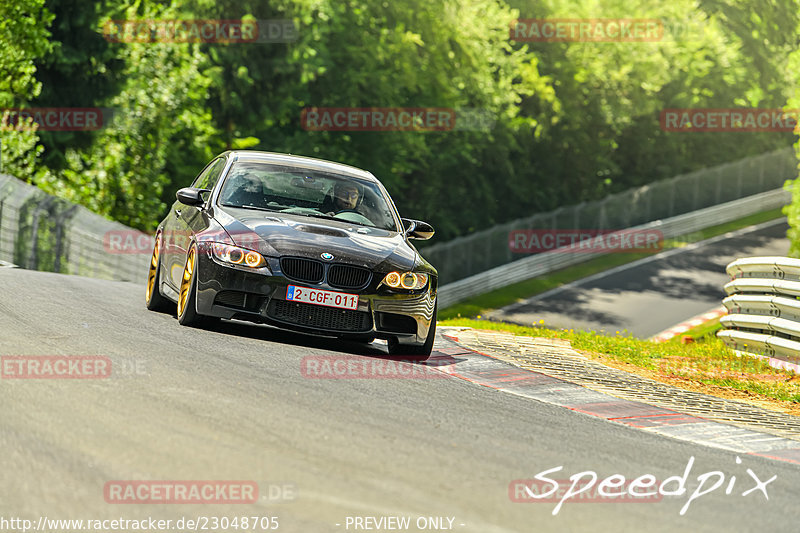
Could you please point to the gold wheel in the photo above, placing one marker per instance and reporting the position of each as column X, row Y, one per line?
column 153, row 272
column 186, row 282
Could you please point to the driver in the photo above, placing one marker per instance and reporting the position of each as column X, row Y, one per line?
column 345, row 197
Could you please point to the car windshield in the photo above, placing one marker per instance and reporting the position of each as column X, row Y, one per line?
column 301, row 191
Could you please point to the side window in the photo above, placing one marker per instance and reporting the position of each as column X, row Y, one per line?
column 209, row 177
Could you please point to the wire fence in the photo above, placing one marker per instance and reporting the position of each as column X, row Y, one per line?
column 42, row 232
column 543, row 263
column 465, row 256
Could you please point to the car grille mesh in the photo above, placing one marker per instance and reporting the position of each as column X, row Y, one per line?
column 305, row 270
column 348, row 277
column 396, row 323
column 230, row 298
column 315, row 316
column 311, row 271
column 240, row 300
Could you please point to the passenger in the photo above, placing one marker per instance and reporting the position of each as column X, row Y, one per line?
column 247, row 191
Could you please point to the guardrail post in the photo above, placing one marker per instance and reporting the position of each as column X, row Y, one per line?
column 487, row 260
column 553, row 217
column 59, row 249
column 671, row 210
column 469, row 264
column 33, row 257
column 739, row 184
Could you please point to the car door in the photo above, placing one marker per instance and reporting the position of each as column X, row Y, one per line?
column 184, row 221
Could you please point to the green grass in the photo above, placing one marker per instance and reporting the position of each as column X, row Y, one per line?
column 709, row 362
column 702, row 333
column 479, row 305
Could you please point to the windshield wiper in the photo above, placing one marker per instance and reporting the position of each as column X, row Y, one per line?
column 251, row 207
column 321, row 215
column 343, row 221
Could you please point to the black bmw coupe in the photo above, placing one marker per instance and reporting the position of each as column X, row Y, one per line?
column 298, row 243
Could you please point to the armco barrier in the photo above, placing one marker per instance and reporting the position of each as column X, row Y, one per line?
column 42, row 232
column 544, row 263
column 763, row 309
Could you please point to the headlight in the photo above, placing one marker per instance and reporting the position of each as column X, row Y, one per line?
column 234, row 255
column 405, row 280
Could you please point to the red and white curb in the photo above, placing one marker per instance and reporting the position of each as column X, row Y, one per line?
column 693, row 322
column 483, row 369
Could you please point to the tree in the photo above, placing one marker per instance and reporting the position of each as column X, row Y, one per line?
column 23, row 37
column 160, row 124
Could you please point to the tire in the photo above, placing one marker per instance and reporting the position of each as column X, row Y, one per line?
column 153, row 298
column 415, row 352
column 187, row 297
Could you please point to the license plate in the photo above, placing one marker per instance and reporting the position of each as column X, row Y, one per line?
column 320, row 297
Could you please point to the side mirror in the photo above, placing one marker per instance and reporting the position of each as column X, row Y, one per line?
column 417, row 229
column 191, row 196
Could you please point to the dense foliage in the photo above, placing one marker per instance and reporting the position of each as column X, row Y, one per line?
column 570, row 121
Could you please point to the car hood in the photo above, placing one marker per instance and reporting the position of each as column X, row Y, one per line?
column 277, row 235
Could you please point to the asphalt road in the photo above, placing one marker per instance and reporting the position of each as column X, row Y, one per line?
column 653, row 294
column 232, row 404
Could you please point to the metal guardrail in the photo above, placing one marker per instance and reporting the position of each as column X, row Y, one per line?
column 544, row 263
column 41, row 232
column 763, row 309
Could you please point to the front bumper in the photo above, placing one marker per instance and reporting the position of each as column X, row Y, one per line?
column 231, row 293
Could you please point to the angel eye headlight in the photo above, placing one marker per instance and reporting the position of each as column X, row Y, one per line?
column 406, row 280
column 238, row 256
column 235, row 256
column 253, row 259
column 392, row 279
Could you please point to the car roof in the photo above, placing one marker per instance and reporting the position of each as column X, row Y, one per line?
column 301, row 161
